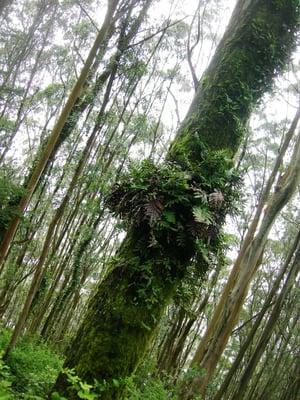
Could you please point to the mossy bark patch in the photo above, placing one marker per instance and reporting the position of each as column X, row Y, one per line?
column 124, row 313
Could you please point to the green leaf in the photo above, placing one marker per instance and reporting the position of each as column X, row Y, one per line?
column 57, row 396
column 202, row 215
column 170, row 217
column 86, row 395
column 116, row 383
column 85, row 386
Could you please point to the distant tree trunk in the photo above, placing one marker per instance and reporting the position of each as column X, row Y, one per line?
column 227, row 311
column 257, row 322
column 21, row 114
column 292, row 391
column 124, row 313
column 268, row 330
column 276, row 368
column 49, row 146
column 170, row 353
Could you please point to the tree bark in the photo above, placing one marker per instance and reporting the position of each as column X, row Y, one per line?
column 125, row 311
column 46, row 152
column 227, row 311
column 258, row 320
column 268, row 330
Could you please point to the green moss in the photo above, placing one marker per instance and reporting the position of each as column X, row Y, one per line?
column 173, row 212
column 241, row 71
column 126, row 316
column 33, row 366
column 165, row 231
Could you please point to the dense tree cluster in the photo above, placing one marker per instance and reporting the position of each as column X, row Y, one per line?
column 149, row 200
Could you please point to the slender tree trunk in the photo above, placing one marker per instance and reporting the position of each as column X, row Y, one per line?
column 268, row 330
column 293, row 388
column 256, row 325
column 125, row 311
column 275, row 368
column 227, row 311
column 171, row 352
column 34, row 177
column 20, row 114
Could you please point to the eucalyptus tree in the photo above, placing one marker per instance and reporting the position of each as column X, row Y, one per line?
column 250, row 338
column 269, row 328
column 175, row 210
column 124, row 41
column 248, row 260
column 34, row 176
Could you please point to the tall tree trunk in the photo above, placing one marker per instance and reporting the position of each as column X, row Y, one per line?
column 227, row 311
column 49, row 146
column 269, row 328
column 258, row 320
column 164, row 230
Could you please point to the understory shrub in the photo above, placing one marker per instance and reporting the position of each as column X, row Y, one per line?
column 33, row 367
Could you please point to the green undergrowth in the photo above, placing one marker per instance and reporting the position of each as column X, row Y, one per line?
column 30, row 371
column 144, row 386
column 32, row 368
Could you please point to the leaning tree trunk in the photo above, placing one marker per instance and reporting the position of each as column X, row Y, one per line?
column 250, row 337
column 268, row 329
column 228, row 308
column 227, row 311
column 174, row 211
column 46, row 151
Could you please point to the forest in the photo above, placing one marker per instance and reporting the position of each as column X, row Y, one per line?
column 149, row 199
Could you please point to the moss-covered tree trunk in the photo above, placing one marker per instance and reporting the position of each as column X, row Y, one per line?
column 174, row 211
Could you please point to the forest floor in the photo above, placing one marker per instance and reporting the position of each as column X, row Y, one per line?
column 31, row 370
